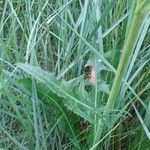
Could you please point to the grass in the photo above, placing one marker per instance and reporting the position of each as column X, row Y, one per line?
column 46, row 101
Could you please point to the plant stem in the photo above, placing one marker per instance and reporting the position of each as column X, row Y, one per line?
column 140, row 14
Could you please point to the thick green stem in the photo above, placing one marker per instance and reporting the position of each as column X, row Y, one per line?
column 140, row 14
column 124, row 61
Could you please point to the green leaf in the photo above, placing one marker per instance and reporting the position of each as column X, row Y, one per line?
column 68, row 90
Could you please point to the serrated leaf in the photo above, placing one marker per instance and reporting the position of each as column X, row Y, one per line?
column 66, row 89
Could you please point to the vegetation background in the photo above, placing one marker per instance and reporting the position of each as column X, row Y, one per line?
column 46, row 102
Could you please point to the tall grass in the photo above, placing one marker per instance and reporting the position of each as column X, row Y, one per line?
column 46, row 102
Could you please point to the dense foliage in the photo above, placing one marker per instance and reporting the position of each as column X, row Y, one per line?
column 46, row 99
